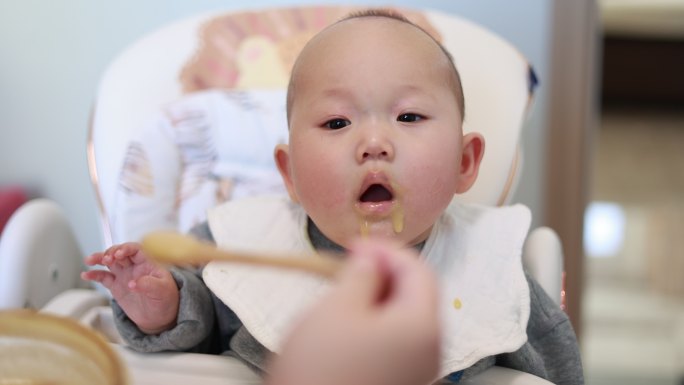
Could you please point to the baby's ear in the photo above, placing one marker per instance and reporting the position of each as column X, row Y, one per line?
column 471, row 157
column 282, row 159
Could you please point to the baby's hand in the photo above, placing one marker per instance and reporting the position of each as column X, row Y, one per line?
column 145, row 291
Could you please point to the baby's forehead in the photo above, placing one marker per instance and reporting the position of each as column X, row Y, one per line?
column 375, row 35
column 349, row 36
column 359, row 29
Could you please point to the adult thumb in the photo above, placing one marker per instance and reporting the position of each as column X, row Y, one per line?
column 361, row 281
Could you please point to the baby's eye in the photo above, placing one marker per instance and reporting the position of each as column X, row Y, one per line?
column 409, row 117
column 336, row 124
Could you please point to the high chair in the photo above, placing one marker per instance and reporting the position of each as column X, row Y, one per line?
column 188, row 116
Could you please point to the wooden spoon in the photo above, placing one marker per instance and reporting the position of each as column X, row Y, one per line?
column 173, row 248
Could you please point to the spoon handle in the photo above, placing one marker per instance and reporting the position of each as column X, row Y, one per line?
column 174, row 248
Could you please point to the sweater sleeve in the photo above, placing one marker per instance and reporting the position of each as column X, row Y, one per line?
column 552, row 351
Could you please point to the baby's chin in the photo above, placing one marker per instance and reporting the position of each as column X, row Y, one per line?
column 346, row 238
column 385, row 230
column 380, row 229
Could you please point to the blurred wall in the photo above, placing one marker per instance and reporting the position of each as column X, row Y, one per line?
column 53, row 52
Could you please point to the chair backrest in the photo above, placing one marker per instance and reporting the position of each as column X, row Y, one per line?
column 188, row 115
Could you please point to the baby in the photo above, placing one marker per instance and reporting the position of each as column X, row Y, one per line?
column 376, row 149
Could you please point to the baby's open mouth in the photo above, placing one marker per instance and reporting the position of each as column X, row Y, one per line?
column 379, row 202
column 376, row 193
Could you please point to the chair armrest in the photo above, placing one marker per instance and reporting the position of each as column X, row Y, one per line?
column 39, row 256
column 543, row 259
column 186, row 368
column 75, row 303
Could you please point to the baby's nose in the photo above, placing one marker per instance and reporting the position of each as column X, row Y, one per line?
column 376, row 145
column 375, row 153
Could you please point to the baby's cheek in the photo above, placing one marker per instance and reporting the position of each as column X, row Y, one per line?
column 429, row 192
column 320, row 183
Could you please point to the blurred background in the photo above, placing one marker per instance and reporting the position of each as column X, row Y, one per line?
column 603, row 159
column 633, row 303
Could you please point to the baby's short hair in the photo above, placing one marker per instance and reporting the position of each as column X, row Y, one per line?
column 455, row 79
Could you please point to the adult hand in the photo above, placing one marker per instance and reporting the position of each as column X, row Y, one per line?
column 378, row 326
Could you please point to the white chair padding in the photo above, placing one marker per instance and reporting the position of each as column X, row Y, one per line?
column 543, row 259
column 39, row 256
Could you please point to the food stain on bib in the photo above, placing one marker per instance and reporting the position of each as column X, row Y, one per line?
column 457, row 304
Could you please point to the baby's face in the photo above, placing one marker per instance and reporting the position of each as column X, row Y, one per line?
column 375, row 132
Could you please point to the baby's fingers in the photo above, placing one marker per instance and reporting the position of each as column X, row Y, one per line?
column 94, row 259
column 102, row 276
column 121, row 254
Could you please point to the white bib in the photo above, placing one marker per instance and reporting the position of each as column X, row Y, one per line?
column 474, row 250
